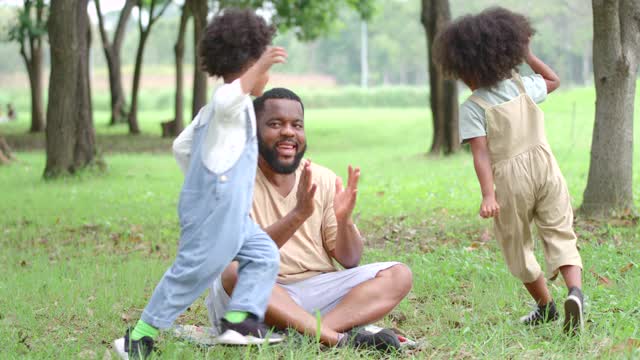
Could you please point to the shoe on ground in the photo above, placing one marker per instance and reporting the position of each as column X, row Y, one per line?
column 541, row 314
column 129, row 349
column 573, row 312
column 251, row 331
column 384, row 340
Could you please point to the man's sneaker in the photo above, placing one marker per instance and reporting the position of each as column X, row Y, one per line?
column 384, row 340
column 541, row 314
column 129, row 349
column 250, row 331
column 573, row 312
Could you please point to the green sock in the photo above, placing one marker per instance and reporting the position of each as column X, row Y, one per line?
column 143, row 329
column 236, row 317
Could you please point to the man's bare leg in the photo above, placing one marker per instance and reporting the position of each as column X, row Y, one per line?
column 283, row 312
column 371, row 300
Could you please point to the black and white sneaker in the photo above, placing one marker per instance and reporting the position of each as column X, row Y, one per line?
column 384, row 340
column 573, row 312
column 541, row 314
column 129, row 349
column 250, row 331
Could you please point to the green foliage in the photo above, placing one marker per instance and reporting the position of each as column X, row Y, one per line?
column 28, row 25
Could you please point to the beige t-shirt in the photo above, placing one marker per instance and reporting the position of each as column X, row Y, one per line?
column 306, row 254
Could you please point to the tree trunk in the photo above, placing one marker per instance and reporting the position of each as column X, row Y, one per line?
column 134, row 128
column 443, row 93
column 112, row 56
column 175, row 126
column 35, row 81
column 118, row 105
column 153, row 16
column 5, row 152
column 199, row 10
column 70, row 136
column 616, row 48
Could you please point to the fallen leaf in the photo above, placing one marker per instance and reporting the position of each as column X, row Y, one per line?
column 626, row 268
column 380, row 194
column 602, row 280
column 485, row 236
column 126, row 317
column 627, row 346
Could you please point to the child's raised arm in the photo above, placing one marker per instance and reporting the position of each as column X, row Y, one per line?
column 273, row 55
column 482, row 164
column 550, row 77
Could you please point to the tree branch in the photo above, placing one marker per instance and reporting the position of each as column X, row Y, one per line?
column 125, row 13
column 103, row 32
column 153, row 19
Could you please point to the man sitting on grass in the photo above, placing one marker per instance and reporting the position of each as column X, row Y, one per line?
column 307, row 212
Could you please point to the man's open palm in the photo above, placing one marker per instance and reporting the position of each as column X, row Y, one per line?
column 345, row 198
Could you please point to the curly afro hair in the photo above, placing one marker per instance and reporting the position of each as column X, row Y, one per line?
column 233, row 40
column 483, row 49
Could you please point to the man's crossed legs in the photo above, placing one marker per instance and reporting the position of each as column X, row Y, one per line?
column 345, row 299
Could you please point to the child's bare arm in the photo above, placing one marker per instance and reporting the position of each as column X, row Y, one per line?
column 271, row 56
column 482, row 164
column 539, row 67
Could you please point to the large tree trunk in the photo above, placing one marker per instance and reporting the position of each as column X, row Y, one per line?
column 134, row 128
column 112, row 56
column 443, row 93
column 70, row 136
column 175, row 126
column 199, row 10
column 616, row 48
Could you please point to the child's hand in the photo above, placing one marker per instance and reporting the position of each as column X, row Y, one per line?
column 273, row 55
column 489, row 207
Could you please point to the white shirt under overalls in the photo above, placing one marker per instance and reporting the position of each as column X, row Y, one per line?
column 227, row 134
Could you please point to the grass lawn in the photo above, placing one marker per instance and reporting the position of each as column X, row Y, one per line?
column 80, row 256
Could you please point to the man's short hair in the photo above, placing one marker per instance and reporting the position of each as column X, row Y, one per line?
column 275, row 93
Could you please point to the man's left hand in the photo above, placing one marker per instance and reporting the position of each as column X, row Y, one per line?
column 344, row 200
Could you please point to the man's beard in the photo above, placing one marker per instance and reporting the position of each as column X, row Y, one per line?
column 270, row 155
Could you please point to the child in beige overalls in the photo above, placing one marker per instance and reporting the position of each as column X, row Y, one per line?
column 518, row 174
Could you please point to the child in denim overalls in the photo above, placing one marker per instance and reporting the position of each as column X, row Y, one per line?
column 217, row 193
column 505, row 129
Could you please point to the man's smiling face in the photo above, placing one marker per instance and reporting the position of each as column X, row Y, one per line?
column 281, row 138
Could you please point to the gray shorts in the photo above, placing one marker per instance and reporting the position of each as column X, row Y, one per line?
column 318, row 293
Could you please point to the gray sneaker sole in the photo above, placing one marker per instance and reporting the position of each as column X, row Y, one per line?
column 231, row 337
column 573, row 316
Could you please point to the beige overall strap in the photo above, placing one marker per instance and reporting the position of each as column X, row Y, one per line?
column 480, row 101
column 518, row 81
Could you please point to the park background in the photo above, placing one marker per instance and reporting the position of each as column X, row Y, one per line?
column 81, row 253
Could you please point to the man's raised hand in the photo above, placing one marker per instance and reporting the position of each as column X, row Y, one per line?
column 344, row 200
column 306, row 191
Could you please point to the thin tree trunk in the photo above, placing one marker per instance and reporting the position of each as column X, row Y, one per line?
column 134, row 128
column 35, row 82
column 199, row 10
column 616, row 48
column 443, row 93
column 174, row 127
column 70, row 136
column 33, row 63
column 112, row 56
